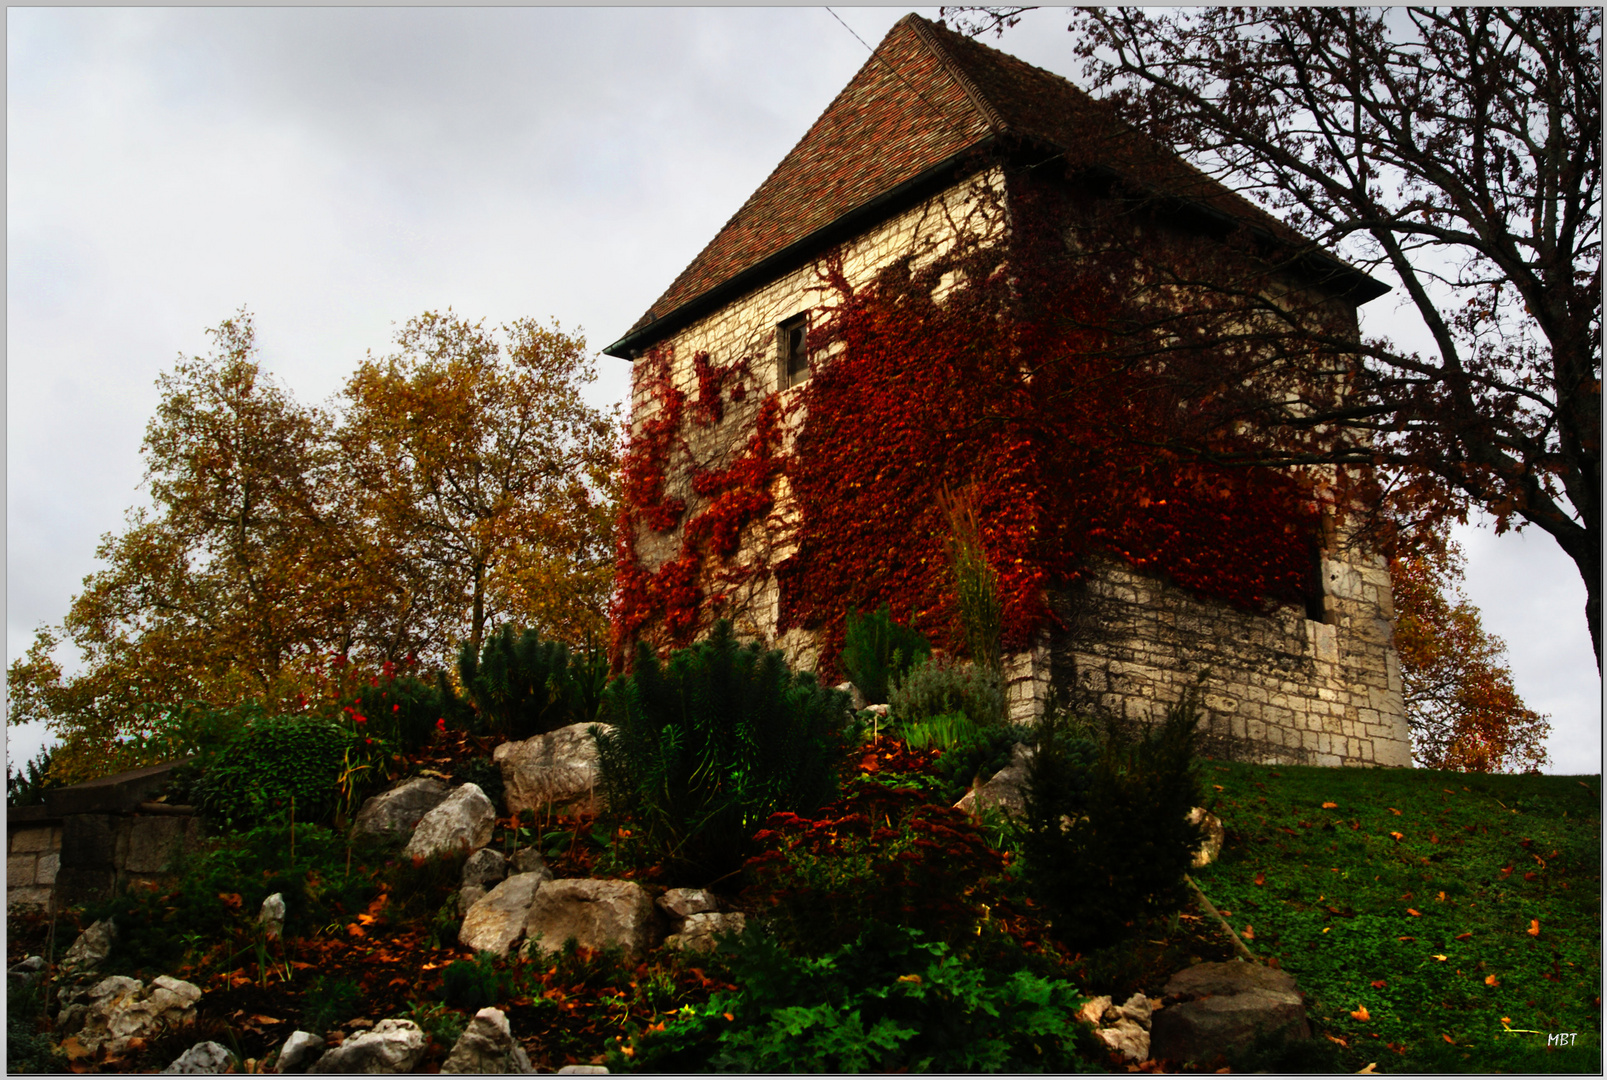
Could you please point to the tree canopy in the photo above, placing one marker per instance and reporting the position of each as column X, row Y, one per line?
column 455, row 483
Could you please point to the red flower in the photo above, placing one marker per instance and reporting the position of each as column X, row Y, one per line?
column 440, row 725
column 396, row 708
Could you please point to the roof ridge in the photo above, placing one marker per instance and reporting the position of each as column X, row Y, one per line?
column 925, row 31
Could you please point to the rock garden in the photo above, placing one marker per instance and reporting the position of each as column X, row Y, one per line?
column 712, row 863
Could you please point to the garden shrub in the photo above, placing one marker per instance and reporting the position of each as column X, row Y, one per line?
column 890, row 1001
column 881, row 855
column 28, row 1048
column 484, row 773
column 976, row 754
column 876, row 649
column 525, row 686
column 1104, row 839
column 940, row 685
column 274, row 759
column 473, row 984
column 706, row 747
column 403, row 709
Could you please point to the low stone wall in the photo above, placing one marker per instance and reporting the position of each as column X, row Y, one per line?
column 92, row 839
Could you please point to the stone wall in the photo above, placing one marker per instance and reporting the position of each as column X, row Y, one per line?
column 92, row 839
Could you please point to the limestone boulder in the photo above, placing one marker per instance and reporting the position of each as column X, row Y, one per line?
column 298, row 1052
column 272, row 916
column 1005, row 790
column 205, row 1057
column 698, row 932
column 679, row 904
column 462, row 822
column 1211, row 846
column 117, row 1010
column 1225, row 1007
column 393, row 1046
column 856, row 699
column 596, row 913
column 557, row 770
column 397, row 811
column 1127, row 1038
column 487, row 1046
column 27, row 972
column 498, row 919
column 528, row 860
column 485, row 868
column 92, row 947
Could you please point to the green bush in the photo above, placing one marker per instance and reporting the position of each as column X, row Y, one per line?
column 940, row 685
column 29, row 1049
column 706, row 748
column 473, row 984
column 1104, row 839
column 485, row 774
column 272, row 760
column 525, row 686
column 976, row 754
column 892, row 1001
column 875, row 649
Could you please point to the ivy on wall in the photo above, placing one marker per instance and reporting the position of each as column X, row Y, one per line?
column 968, row 368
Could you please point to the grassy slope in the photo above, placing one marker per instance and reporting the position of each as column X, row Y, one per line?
column 1330, row 893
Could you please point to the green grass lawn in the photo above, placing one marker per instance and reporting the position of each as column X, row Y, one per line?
column 1446, row 908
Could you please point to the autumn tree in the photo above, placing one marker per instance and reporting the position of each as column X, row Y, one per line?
column 1456, row 151
column 221, row 587
column 486, row 478
column 1460, row 702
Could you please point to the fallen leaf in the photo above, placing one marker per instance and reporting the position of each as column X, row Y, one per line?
column 1530, row 875
column 1448, row 1039
column 1441, row 957
column 1413, row 912
column 1217, row 786
column 356, row 931
column 1337, row 1039
column 1330, row 806
column 1442, row 896
column 1394, row 811
column 230, row 900
column 266, row 1021
column 1249, row 932
column 1534, row 927
column 1398, row 837
column 1261, row 879
column 1378, row 984
column 1367, row 1069
column 1491, row 980
column 1361, row 1014
column 1464, row 937
column 1405, row 939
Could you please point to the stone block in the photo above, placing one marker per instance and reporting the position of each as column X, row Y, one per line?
column 49, row 865
column 34, row 839
column 88, row 841
column 28, row 896
column 154, row 842
column 20, row 869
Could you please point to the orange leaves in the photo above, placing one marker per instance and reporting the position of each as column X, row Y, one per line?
column 1413, row 912
column 1249, row 932
column 1361, row 1014
column 1336, row 1039
column 1330, row 806
column 1491, row 980
column 1260, row 879
column 353, row 930
column 1464, row 936
column 232, row 901
column 1394, row 811
column 1534, row 927
column 1378, row 984
column 1448, row 1039
column 1441, row 957
column 1398, row 837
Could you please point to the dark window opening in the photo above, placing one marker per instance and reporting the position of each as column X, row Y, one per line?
column 793, row 339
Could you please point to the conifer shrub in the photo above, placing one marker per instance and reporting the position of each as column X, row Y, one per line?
column 876, row 649
column 1104, row 839
column 473, row 984
column 525, row 686
column 941, row 685
column 27, row 786
column 707, row 746
column 977, row 755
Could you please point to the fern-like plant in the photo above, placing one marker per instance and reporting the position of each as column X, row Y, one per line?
column 877, row 649
column 706, row 747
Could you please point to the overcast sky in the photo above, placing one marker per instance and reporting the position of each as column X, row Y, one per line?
column 338, row 171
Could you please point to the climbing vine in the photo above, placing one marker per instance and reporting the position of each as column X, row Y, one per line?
column 984, row 366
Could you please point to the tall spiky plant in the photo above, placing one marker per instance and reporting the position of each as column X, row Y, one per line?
column 976, row 582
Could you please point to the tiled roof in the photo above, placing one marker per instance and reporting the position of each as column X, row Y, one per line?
column 925, row 96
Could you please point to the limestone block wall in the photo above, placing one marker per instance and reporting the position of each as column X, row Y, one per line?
column 33, row 855
column 1280, row 688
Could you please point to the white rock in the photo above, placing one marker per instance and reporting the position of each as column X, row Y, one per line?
column 398, row 810
column 856, row 699
column 680, row 903
column 1211, row 846
column 497, row 919
column 272, row 916
column 394, row 1046
column 463, row 821
column 92, row 947
column 1137, row 1009
column 1127, row 1037
column 699, row 931
column 206, row 1057
column 1092, row 1011
column 487, row 1046
column 299, row 1051
column 485, row 867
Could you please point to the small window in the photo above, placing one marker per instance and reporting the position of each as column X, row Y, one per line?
column 792, row 339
